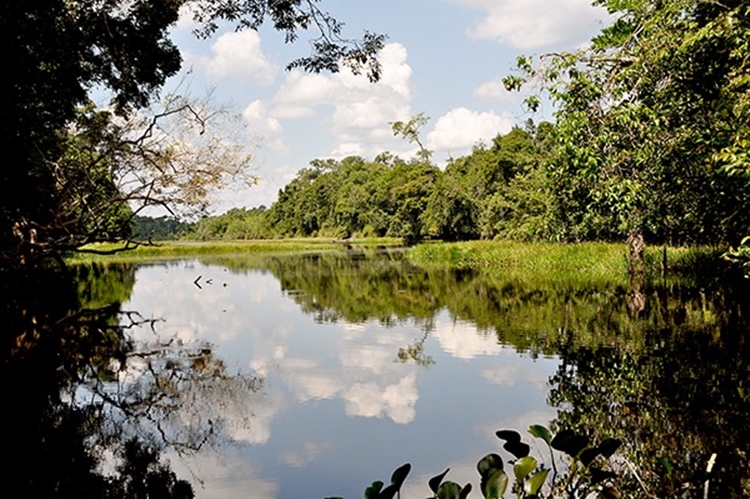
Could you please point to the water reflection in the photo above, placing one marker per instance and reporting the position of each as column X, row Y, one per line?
column 332, row 369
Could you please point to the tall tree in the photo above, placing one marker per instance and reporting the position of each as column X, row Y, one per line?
column 59, row 50
column 651, row 118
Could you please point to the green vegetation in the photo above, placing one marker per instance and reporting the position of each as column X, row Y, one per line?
column 124, row 252
column 586, row 474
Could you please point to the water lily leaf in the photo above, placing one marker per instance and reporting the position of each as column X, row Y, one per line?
column 508, row 435
column 542, row 432
column 435, row 481
column 533, row 484
column 569, row 442
column 523, row 467
column 609, row 446
column 488, row 463
column 449, row 490
column 518, row 449
column 400, row 474
column 373, row 490
column 495, row 484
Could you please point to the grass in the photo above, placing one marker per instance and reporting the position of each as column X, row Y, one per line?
column 183, row 249
column 591, row 260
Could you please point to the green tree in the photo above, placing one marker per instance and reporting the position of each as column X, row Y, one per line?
column 650, row 121
column 60, row 50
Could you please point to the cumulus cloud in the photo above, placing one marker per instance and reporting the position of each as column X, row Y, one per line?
column 361, row 111
column 239, row 55
column 267, row 127
column 461, row 128
column 460, row 339
column 531, row 24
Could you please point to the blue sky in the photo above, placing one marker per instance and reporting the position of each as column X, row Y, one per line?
column 443, row 58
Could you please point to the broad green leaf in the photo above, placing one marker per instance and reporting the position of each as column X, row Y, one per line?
column 495, row 484
column 373, row 490
column 398, row 476
column 488, row 463
column 435, row 481
column 542, row 432
column 523, row 467
column 449, row 490
column 533, row 484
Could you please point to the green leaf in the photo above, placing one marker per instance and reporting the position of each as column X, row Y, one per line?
column 533, row 484
column 465, row 491
column 435, row 481
column 495, row 484
column 373, row 490
column 523, row 467
column 488, row 463
column 665, row 464
column 398, row 476
column 449, row 490
column 542, row 432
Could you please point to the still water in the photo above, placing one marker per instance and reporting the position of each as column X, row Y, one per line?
column 338, row 407
column 313, row 375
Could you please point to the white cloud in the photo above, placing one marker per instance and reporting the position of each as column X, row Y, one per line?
column 239, row 55
column 530, row 24
column 361, row 111
column 461, row 128
column 460, row 339
column 264, row 125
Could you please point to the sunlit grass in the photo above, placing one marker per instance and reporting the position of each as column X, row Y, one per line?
column 581, row 261
column 182, row 249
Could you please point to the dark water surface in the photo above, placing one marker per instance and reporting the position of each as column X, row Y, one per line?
column 312, row 375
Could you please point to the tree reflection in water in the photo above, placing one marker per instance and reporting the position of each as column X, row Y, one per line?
column 670, row 377
column 89, row 411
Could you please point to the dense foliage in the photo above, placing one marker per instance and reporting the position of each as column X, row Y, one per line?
column 499, row 190
column 652, row 123
column 74, row 174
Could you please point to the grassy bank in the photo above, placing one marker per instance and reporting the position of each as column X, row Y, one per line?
column 550, row 260
column 183, row 249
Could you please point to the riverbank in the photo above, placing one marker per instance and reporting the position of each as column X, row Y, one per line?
column 182, row 249
column 593, row 259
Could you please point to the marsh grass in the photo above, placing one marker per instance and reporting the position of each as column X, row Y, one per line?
column 184, row 249
column 581, row 262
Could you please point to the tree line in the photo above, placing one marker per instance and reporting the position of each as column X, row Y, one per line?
column 510, row 188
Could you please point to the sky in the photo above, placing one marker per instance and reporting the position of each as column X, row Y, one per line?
column 442, row 58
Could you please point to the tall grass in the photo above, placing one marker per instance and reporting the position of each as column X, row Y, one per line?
column 588, row 261
column 183, row 249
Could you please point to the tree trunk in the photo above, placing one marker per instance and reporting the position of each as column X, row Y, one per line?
column 637, row 270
